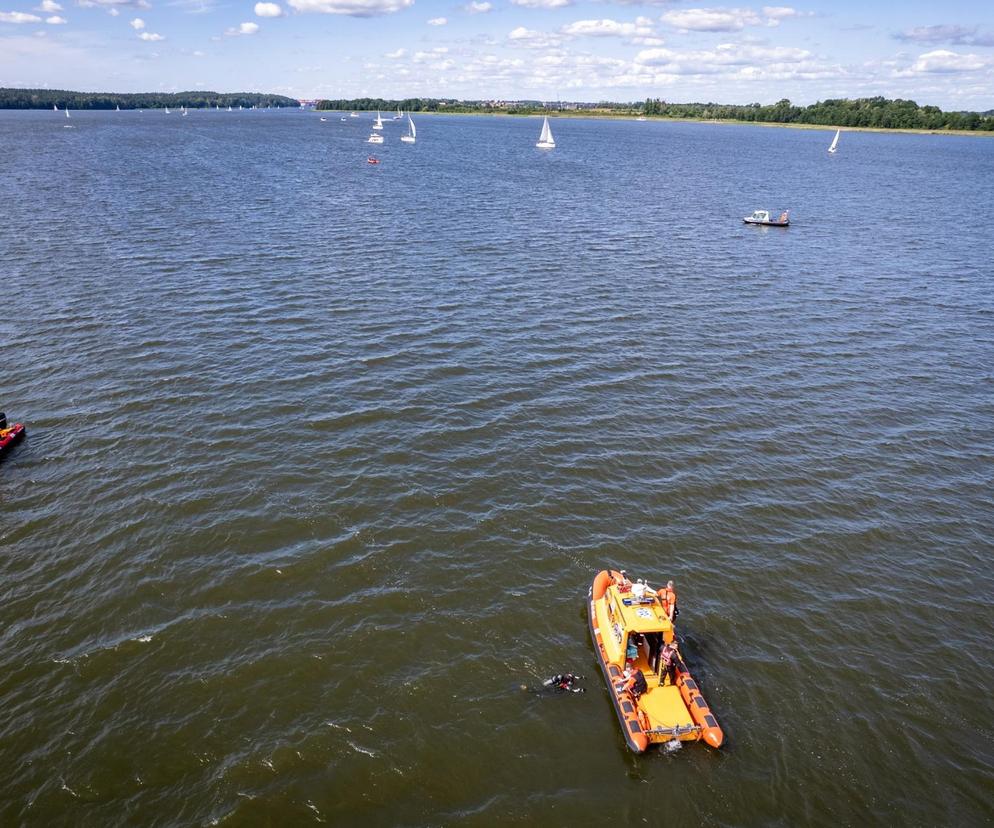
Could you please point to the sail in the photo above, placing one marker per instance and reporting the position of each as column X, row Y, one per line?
column 67, row 110
column 835, row 140
column 414, row 132
column 546, row 136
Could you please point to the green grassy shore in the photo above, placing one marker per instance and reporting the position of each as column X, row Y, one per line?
column 632, row 116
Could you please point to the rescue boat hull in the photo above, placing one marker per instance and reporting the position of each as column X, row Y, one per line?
column 631, row 727
column 671, row 705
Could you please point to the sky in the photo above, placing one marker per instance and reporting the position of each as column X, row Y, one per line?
column 576, row 50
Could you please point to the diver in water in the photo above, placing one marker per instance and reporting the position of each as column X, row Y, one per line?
column 559, row 683
column 563, row 683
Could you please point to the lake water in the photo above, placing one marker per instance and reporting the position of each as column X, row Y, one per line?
column 323, row 457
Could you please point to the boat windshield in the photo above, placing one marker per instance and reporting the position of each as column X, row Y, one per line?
column 761, row 215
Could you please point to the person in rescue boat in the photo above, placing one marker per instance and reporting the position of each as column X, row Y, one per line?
column 634, row 684
column 667, row 662
column 667, row 596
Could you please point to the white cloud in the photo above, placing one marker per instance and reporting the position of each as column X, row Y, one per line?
column 478, row 8
column 533, row 39
column 49, row 6
column 56, row 20
column 437, row 21
column 268, row 10
column 712, row 20
column 941, row 62
column 957, row 35
column 112, row 6
column 723, row 58
column 609, row 28
column 542, row 4
column 242, row 29
column 113, row 12
column 137, row 24
column 396, row 55
column 149, row 36
column 774, row 14
column 353, row 8
column 18, row 17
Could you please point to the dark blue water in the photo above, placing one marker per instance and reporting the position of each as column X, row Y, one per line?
column 323, row 457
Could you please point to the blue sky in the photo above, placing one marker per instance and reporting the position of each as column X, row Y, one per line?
column 941, row 54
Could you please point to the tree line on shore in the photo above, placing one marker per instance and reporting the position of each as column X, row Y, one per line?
column 880, row 113
column 47, row 98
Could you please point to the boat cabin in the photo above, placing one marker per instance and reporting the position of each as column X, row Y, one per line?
column 642, row 621
column 760, row 215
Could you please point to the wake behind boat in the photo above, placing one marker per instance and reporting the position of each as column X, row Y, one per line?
column 762, row 217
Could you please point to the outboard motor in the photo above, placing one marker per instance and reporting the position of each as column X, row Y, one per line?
column 3, row 420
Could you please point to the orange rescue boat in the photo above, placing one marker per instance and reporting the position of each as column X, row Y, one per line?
column 654, row 695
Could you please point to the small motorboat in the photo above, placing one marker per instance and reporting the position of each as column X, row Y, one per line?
column 762, row 217
column 371, row 160
column 323, row 120
column 374, row 139
column 9, row 435
column 654, row 695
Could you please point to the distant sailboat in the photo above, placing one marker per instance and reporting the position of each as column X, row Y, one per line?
column 55, row 107
column 379, row 121
column 835, row 141
column 118, row 109
column 545, row 140
column 374, row 138
column 412, row 132
column 229, row 109
column 399, row 116
column 353, row 114
column 67, row 110
column 167, row 110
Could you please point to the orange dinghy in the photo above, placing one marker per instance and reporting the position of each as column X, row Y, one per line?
column 654, row 695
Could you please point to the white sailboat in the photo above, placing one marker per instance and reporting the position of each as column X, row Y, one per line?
column 353, row 114
column 167, row 110
column 67, row 110
column 835, row 141
column 119, row 109
column 55, row 107
column 229, row 109
column 545, row 140
column 374, row 138
column 399, row 116
column 379, row 121
column 412, row 132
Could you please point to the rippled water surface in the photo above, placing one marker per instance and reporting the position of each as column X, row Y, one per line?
column 323, row 457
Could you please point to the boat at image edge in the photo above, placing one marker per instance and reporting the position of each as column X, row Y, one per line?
column 665, row 710
column 9, row 435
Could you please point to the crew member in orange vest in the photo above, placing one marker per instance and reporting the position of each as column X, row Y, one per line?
column 667, row 595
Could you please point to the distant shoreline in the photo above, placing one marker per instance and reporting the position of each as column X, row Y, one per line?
column 603, row 116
